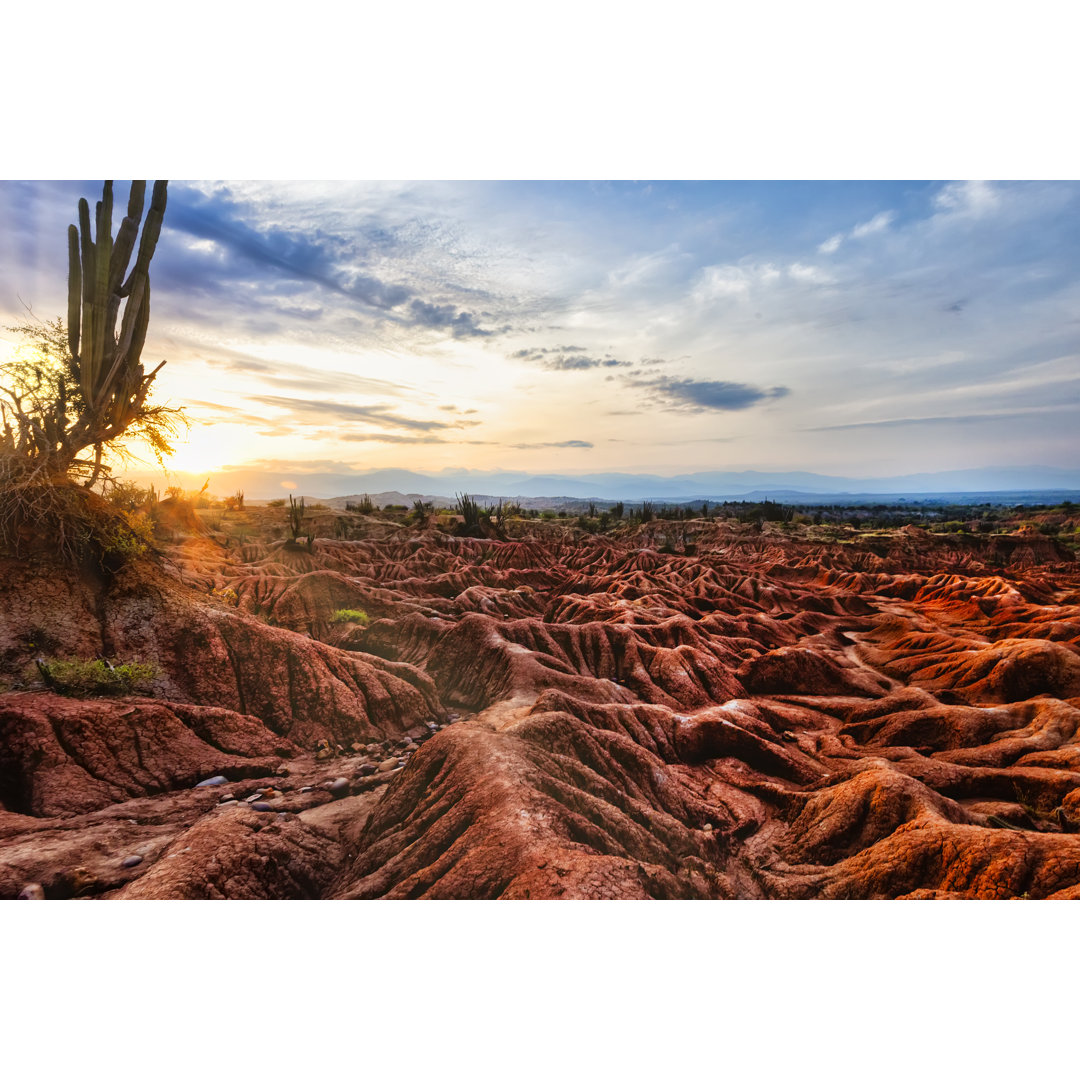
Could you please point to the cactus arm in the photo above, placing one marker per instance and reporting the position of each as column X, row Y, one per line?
column 86, row 359
column 74, row 291
column 150, row 233
column 125, row 236
column 104, row 343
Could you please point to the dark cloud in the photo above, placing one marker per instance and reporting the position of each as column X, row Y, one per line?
column 270, row 273
column 445, row 317
column 312, row 411
column 567, row 358
column 698, row 395
column 575, row 443
column 307, row 257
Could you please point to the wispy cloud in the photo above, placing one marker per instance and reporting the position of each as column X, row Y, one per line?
column 698, row 395
column 578, row 444
column 567, row 358
column 324, row 411
column 879, row 223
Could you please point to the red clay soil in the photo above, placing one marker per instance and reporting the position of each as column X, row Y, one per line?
column 772, row 716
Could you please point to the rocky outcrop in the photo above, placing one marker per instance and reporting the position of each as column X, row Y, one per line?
column 767, row 717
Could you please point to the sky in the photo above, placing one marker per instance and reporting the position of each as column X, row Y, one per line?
column 846, row 328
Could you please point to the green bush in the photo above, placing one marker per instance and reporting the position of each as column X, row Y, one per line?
column 344, row 615
column 80, row 677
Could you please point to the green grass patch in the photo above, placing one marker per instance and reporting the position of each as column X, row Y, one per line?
column 85, row 677
column 344, row 615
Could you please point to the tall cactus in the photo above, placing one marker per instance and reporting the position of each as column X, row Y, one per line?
column 104, row 364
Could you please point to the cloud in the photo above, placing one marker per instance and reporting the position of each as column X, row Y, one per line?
column 693, row 395
column 567, row 358
column 962, row 418
column 308, row 411
column 382, row 437
column 879, row 223
column 579, row 444
column 968, row 198
column 288, row 465
column 445, row 317
column 312, row 257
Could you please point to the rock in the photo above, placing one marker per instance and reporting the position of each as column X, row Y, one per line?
column 214, row 781
column 340, row 787
column 323, row 755
column 262, row 807
column 131, row 860
column 357, row 748
column 283, row 771
column 366, row 769
column 707, row 827
column 228, row 797
column 305, row 790
column 32, row 891
column 388, row 764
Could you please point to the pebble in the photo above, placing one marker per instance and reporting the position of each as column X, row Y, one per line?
column 357, row 747
column 366, row 769
column 305, row 790
column 707, row 827
column 228, row 797
column 372, row 748
column 339, row 787
column 214, row 781
column 33, row 891
column 130, row 861
column 262, row 807
column 388, row 764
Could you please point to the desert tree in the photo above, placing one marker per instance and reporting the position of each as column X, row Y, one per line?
column 84, row 387
column 79, row 388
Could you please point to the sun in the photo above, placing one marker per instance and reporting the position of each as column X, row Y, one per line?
column 205, row 449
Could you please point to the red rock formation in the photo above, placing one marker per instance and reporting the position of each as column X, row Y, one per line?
column 769, row 717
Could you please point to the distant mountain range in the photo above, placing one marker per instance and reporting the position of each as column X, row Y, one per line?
column 990, row 484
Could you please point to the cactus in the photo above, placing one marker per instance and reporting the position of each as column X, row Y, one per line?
column 105, row 364
column 296, row 517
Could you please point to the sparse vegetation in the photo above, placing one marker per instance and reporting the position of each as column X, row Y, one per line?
column 89, row 677
column 296, row 519
column 79, row 388
column 350, row 615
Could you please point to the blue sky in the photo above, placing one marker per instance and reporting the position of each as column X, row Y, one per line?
column 666, row 327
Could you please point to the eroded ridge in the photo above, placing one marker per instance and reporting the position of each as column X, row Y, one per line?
column 767, row 717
